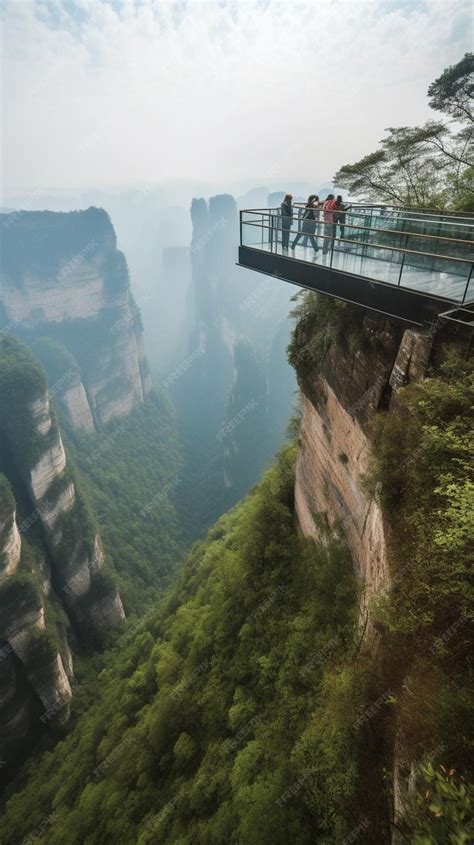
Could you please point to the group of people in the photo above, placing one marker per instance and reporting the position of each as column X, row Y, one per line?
column 333, row 211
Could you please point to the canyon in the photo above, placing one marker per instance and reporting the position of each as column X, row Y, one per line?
column 64, row 285
column 66, row 306
column 73, row 372
column 51, row 561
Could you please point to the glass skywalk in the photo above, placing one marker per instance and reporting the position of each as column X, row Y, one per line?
column 430, row 254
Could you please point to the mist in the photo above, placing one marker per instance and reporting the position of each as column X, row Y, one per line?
column 124, row 92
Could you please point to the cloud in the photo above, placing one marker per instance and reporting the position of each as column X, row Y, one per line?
column 115, row 91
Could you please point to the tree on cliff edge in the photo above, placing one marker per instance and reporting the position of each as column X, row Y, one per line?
column 425, row 166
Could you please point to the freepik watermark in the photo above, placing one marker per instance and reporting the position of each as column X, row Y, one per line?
column 9, row 327
column 204, row 239
column 138, row 625
column 322, row 655
column 183, row 367
column 230, row 426
column 54, row 709
column 243, row 734
column 107, row 444
column 79, row 583
column 75, row 262
column 113, row 757
column 167, row 809
column 31, row 519
column 186, row 683
column 450, row 632
column 38, row 832
column 374, row 708
column 14, row 216
column 264, row 605
column 61, row 383
column 6, row 651
column 253, row 299
column 354, row 835
column 129, row 318
column 294, row 790
column 160, row 496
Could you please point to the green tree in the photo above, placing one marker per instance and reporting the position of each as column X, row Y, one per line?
column 429, row 165
column 453, row 92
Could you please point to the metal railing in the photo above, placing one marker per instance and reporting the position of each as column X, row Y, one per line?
column 403, row 247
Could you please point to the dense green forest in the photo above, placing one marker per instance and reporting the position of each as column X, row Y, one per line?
column 238, row 712
column 131, row 475
column 241, row 701
column 196, row 730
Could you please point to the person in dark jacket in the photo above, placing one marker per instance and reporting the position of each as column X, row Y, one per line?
column 286, row 220
column 339, row 216
column 309, row 224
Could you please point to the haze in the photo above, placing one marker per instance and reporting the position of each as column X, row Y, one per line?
column 102, row 92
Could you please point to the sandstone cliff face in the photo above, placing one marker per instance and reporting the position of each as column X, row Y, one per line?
column 76, row 552
column 29, row 687
column 10, row 540
column 338, row 404
column 227, row 305
column 63, row 278
column 332, row 459
column 63, row 562
column 76, row 405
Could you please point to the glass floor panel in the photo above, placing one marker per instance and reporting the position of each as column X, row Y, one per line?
column 435, row 282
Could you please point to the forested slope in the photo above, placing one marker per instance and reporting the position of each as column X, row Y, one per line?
column 197, row 730
column 132, row 474
column 247, row 709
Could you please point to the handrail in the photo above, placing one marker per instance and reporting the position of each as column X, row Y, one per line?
column 374, row 245
column 393, row 215
column 393, row 232
column 466, row 215
column 276, row 210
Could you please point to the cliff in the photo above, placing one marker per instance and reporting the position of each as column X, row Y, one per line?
column 63, row 279
column 230, row 306
column 35, row 686
column 347, row 382
column 51, row 554
column 250, row 692
column 374, row 465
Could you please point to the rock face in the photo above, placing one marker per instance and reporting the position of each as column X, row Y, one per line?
column 32, row 683
column 76, row 405
column 332, row 460
column 51, row 556
column 62, row 278
column 338, row 404
column 339, row 399
column 10, row 540
column 220, row 406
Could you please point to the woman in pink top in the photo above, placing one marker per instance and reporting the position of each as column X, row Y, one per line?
column 329, row 226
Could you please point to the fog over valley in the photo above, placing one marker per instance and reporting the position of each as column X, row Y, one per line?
column 236, row 422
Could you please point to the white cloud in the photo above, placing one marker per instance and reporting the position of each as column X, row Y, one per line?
column 98, row 91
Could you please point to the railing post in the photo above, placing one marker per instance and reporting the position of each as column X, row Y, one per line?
column 436, row 247
column 467, row 285
column 401, row 271
column 403, row 261
column 240, row 219
column 332, row 244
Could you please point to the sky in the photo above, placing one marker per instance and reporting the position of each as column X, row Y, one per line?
column 121, row 92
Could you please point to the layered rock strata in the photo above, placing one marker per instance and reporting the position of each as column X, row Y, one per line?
column 63, row 560
column 63, row 279
column 338, row 404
